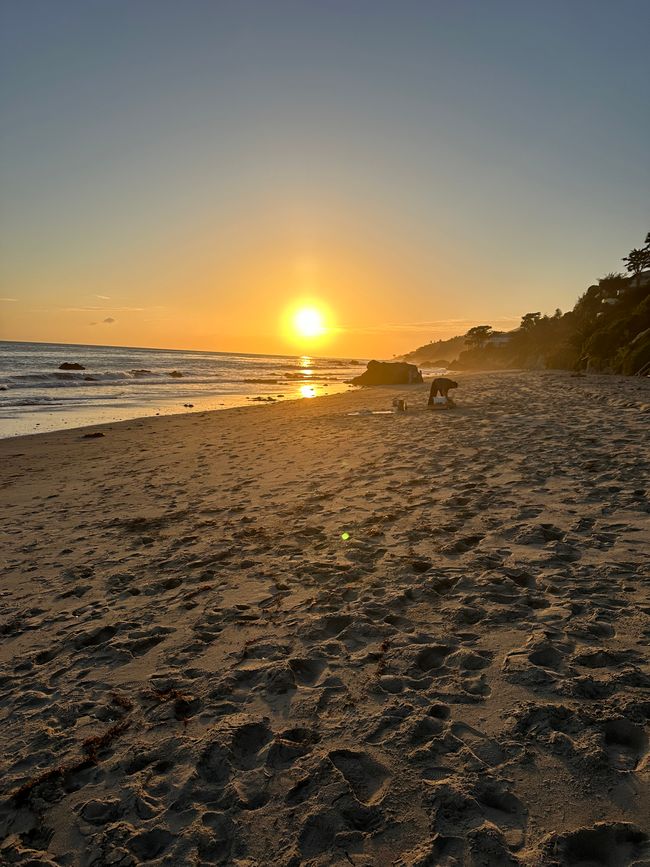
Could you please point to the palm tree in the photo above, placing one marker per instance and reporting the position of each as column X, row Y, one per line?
column 637, row 261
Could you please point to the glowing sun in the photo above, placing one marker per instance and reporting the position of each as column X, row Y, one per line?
column 309, row 322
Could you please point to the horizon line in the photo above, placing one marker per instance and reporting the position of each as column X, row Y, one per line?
column 172, row 349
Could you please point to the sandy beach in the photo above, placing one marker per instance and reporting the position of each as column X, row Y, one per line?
column 289, row 635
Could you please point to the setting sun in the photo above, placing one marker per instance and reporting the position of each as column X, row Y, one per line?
column 309, row 322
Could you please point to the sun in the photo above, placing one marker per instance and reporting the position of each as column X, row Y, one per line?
column 309, row 322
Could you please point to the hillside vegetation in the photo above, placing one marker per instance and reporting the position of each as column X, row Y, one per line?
column 608, row 330
column 438, row 353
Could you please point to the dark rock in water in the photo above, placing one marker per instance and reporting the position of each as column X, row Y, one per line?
column 176, row 374
column 188, row 405
column 71, row 365
column 90, row 379
column 261, row 380
column 93, row 436
column 389, row 373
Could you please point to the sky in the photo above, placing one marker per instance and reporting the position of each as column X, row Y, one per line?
column 182, row 174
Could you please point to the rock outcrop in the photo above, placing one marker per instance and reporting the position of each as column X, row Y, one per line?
column 71, row 365
column 389, row 373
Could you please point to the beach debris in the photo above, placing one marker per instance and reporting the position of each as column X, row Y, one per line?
column 188, row 405
column 71, row 365
column 185, row 705
column 389, row 373
column 122, row 701
column 400, row 405
column 93, row 436
column 371, row 412
column 91, row 749
column 92, row 746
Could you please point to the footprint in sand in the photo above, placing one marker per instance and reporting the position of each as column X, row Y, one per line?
column 307, row 670
column 368, row 779
column 247, row 742
column 626, row 744
column 458, row 808
column 605, row 844
column 290, row 745
column 486, row 749
column 148, row 845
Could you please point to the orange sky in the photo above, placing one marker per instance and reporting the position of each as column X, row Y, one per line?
column 204, row 282
column 179, row 174
column 371, row 306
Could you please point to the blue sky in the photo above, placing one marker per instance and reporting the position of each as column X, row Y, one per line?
column 180, row 166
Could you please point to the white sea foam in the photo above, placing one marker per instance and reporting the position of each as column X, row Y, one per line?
column 129, row 382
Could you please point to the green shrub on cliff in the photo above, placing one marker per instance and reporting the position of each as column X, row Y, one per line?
column 608, row 330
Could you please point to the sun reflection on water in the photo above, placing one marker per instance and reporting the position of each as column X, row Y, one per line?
column 307, row 391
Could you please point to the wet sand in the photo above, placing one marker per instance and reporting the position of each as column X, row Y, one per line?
column 288, row 635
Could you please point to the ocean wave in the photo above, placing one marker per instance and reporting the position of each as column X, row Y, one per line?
column 89, row 379
column 63, row 378
column 142, row 381
column 43, row 400
column 315, row 364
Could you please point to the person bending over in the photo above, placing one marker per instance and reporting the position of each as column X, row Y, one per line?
column 440, row 388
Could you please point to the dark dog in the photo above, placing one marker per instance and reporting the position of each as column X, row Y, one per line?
column 440, row 386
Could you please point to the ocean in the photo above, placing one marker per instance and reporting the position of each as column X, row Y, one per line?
column 119, row 383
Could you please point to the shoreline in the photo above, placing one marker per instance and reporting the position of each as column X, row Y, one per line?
column 108, row 384
column 299, row 636
column 238, row 408
column 593, row 379
column 225, row 403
